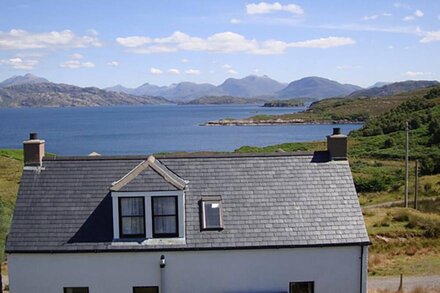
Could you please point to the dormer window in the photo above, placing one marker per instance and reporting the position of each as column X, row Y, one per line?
column 148, row 215
column 141, row 211
column 132, row 217
column 211, row 213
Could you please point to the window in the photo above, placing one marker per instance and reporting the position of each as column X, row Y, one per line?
column 141, row 216
column 164, row 212
column 212, row 215
column 301, row 287
column 145, row 289
column 76, row 290
column 132, row 217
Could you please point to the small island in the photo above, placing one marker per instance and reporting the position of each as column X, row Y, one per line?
column 298, row 102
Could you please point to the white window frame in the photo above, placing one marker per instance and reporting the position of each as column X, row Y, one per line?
column 211, row 199
column 148, row 215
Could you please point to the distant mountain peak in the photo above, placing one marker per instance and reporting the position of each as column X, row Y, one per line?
column 316, row 87
column 28, row 78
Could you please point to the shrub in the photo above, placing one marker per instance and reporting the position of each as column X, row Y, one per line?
column 389, row 142
column 432, row 94
column 373, row 184
column 427, row 187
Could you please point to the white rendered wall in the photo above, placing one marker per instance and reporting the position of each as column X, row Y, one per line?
column 334, row 270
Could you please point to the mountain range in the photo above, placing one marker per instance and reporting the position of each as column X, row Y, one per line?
column 394, row 88
column 33, row 91
column 247, row 87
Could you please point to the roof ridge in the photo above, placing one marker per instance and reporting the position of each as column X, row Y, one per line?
column 181, row 156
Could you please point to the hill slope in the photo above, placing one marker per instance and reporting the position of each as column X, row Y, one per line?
column 64, row 95
column 25, row 79
column 394, row 88
column 251, row 86
column 316, row 87
column 225, row 100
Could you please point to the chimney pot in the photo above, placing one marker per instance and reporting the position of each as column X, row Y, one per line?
column 33, row 135
column 33, row 150
column 337, row 145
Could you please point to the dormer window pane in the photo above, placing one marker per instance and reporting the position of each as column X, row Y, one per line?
column 212, row 213
column 164, row 210
column 132, row 217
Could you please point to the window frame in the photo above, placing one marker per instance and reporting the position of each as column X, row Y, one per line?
column 176, row 215
column 210, row 199
column 122, row 235
column 73, row 288
column 145, row 287
column 148, row 238
column 301, row 282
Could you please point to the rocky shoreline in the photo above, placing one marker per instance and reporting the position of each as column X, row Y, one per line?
column 268, row 122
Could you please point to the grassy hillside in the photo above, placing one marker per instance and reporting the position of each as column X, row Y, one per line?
column 11, row 164
column 349, row 109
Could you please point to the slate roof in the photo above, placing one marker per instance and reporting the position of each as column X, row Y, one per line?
column 269, row 200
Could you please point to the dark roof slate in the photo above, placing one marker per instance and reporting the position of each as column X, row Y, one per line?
column 268, row 201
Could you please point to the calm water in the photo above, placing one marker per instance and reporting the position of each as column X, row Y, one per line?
column 148, row 129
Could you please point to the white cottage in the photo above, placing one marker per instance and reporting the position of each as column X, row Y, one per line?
column 283, row 222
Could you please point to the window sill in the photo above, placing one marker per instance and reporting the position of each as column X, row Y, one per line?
column 149, row 242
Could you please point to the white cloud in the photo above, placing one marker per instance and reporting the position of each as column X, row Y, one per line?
column 184, row 60
column 226, row 66
column 76, row 56
column 232, row 71
column 323, row 43
column 430, row 37
column 192, row 72
column 17, row 39
column 155, row 71
column 235, row 21
column 256, row 70
column 264, row 7
column 134, row 41
column 19, row 63
column 418, row 13
column 74, row 64
column 371, row 17
column 224, row 42
column 174, row 71
column 417, row 73
column 113, row 63
column 386, row 14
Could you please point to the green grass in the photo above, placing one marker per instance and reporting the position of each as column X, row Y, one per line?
column 10, row 173
column 404, row 241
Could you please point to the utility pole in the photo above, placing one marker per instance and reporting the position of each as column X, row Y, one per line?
column 416, row 184
column 406, row 165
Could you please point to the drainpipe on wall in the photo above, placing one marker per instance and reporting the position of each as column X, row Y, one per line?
column 361, row 282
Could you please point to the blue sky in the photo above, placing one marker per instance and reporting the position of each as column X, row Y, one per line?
column 103, row 43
